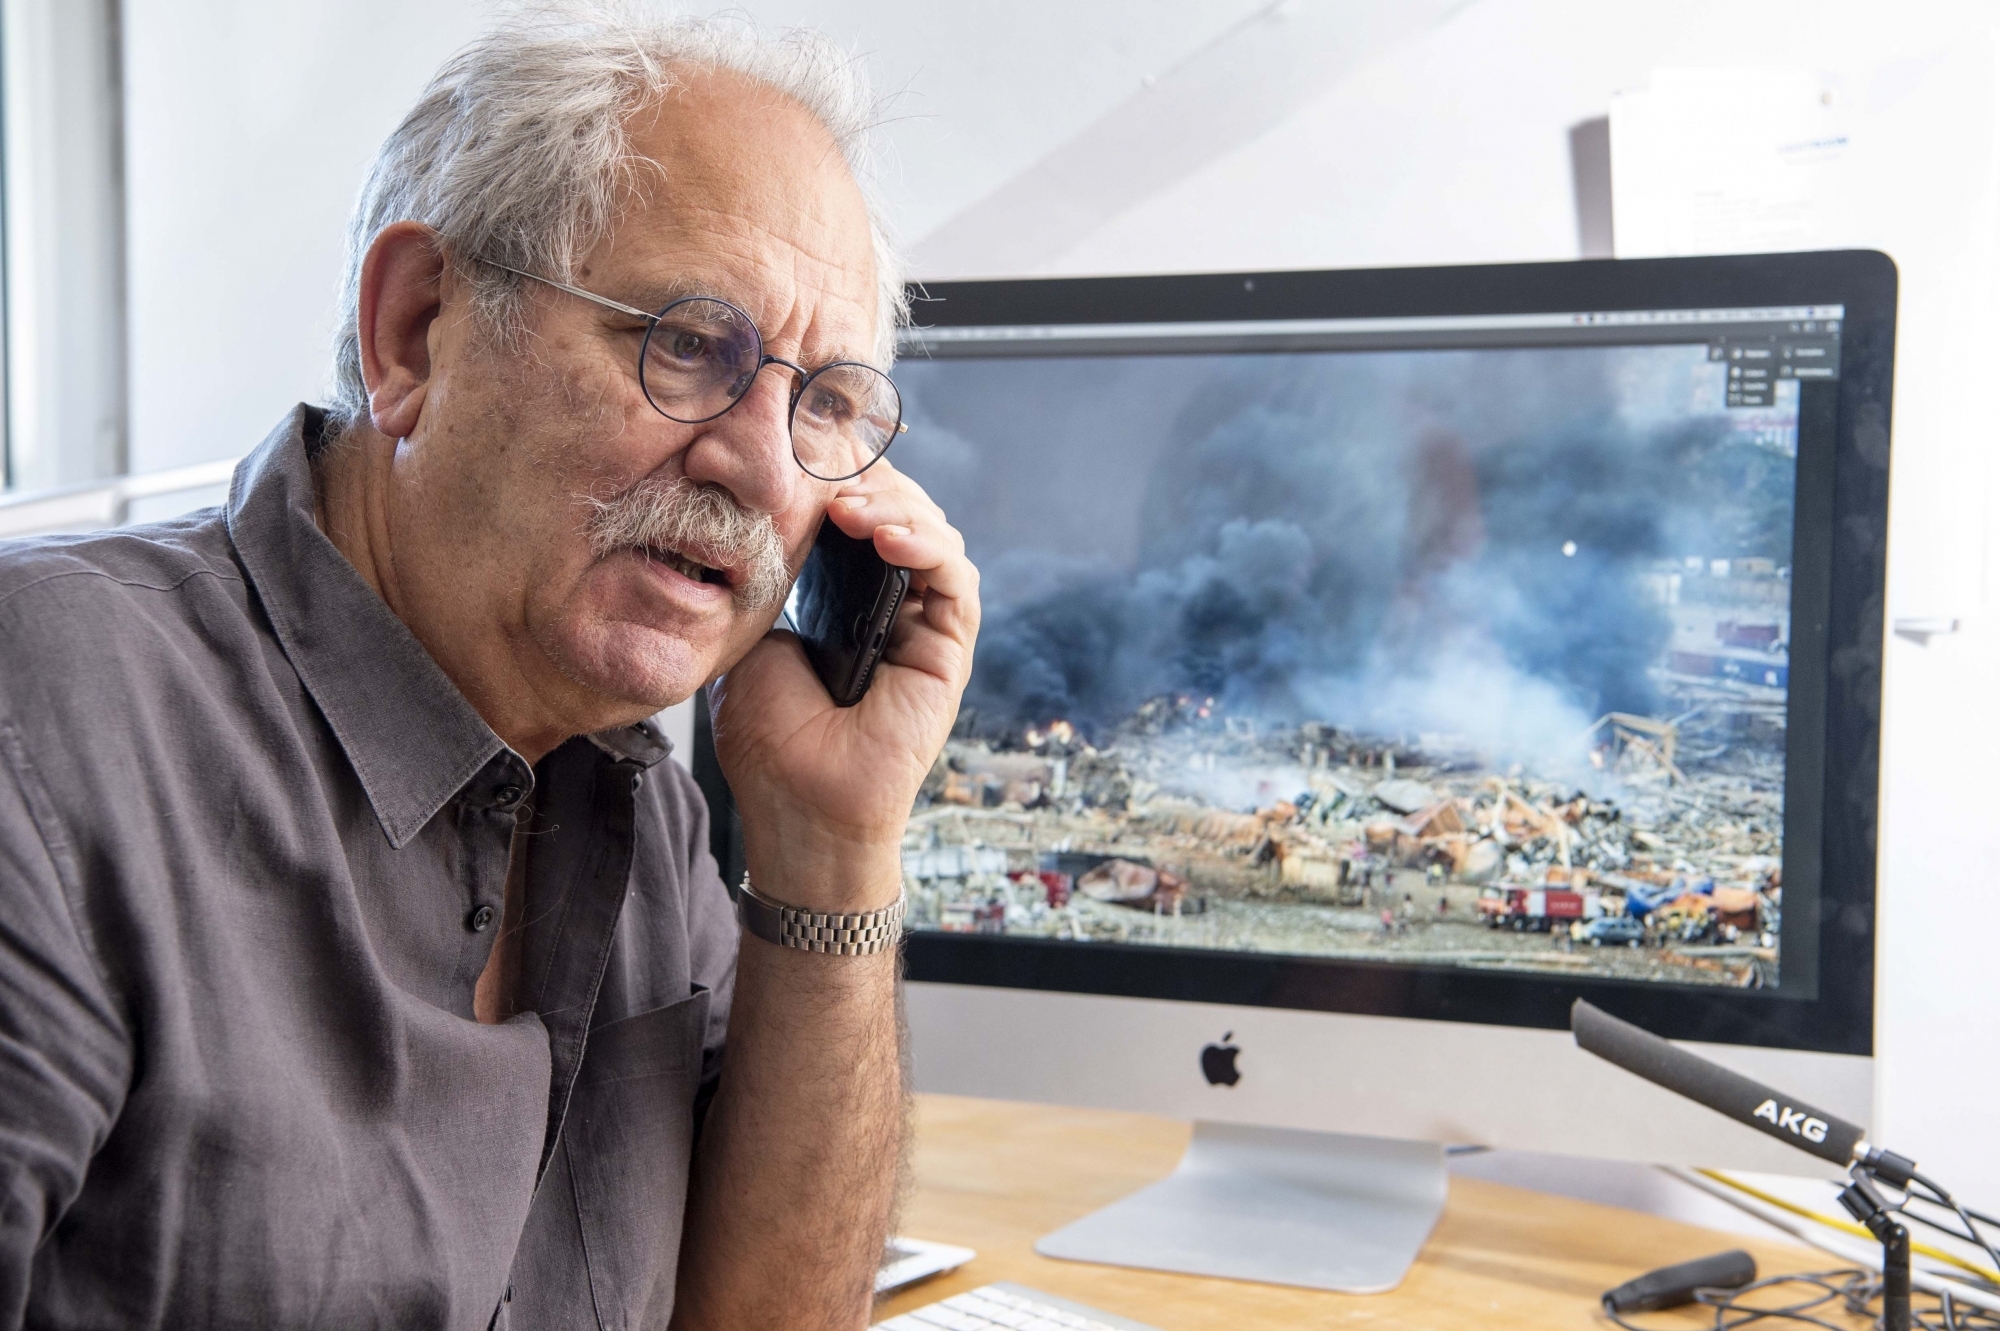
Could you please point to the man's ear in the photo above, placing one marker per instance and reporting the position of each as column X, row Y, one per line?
column 402, row 284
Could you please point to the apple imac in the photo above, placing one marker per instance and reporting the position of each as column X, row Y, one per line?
column 1373, row 663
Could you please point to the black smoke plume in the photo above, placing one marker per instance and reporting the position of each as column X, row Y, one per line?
column 1382, row 561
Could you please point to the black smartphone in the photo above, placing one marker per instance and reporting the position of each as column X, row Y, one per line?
column 847, row 601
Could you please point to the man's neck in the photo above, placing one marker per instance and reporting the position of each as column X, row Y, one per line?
column 350, row 488
column 353, row 480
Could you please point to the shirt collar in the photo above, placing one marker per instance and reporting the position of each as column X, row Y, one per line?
column 411, row 736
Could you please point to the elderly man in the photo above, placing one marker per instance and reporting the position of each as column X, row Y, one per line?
column 361, row 961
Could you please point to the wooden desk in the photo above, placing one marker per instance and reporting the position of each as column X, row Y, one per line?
column 996, row 1176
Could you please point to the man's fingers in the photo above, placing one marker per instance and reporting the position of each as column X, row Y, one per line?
column 955, row 617
column 919, row 644
column 900, row 505
column 945, row 594
column 882, row 514
column 911, row 531
column 932, row 555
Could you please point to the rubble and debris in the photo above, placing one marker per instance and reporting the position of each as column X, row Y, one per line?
column 1186, row 825
column 1138, row 885
column 1404, row 795
column 960, row 861
column 1735, row 907
column 1636, row 745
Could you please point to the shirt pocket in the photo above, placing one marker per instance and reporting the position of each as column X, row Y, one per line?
column 628, row 1136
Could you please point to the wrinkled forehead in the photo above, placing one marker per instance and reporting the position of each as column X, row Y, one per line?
column 740, row 192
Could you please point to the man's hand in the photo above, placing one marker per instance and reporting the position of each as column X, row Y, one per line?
column 825, row 791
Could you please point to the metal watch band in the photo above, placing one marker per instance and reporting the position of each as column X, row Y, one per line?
column 851, row 935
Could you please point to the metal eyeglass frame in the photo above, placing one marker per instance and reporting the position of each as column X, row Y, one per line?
column 802, row 377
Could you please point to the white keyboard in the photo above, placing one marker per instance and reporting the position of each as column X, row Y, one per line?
column 1008, row 1307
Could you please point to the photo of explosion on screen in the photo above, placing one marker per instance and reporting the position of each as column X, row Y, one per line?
column 1467, row 658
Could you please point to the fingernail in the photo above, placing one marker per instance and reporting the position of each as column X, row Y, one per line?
column 894, row 530
column 849, row 503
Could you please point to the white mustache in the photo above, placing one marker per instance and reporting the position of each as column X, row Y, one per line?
column 702, row 522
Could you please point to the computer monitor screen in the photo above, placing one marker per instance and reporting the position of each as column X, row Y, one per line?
column 1489, row 643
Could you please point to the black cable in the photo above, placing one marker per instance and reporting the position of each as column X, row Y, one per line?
column 1793, row 1312
column 1852, row 1288
column 1801, row 1311
column 1944, row 1198
column 1966, row 1235
column 1939, row 1197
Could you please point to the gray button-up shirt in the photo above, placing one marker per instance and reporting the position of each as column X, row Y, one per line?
column 253, row 845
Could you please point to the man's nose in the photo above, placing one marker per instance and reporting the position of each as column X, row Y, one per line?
column 748, row 449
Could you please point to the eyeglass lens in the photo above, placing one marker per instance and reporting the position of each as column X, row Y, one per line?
column 702, row 355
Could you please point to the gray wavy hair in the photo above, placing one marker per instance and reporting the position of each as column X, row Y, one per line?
column 517, row 151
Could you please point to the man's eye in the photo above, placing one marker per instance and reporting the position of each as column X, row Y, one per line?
column 830, row 406
column 688, row 344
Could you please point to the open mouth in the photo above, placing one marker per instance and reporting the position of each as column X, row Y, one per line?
column 686, row 567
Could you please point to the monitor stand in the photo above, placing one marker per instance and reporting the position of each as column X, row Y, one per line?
column 1317, row 1209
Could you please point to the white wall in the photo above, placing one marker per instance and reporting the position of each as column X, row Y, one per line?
column 1437, row 134
column 247, row 129
column 249, row 126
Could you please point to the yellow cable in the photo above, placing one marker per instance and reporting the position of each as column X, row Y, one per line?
column 1844, row 1226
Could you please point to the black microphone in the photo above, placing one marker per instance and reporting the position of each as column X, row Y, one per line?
column 1674, row 1286
column 1753, row 1104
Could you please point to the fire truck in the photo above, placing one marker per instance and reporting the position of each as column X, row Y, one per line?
column 1525, row 908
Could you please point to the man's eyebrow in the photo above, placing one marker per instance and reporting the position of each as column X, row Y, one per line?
column 657, row 295
column 654, row 296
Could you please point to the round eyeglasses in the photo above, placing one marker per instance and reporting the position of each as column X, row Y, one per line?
column 701, row 355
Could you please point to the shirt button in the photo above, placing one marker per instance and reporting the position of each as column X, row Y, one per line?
column 480, row 920
column 507, row 795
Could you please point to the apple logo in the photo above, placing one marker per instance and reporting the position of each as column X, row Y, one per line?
column 1218, row 1062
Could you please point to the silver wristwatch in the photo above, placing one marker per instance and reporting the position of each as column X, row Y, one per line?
column 851, row 935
